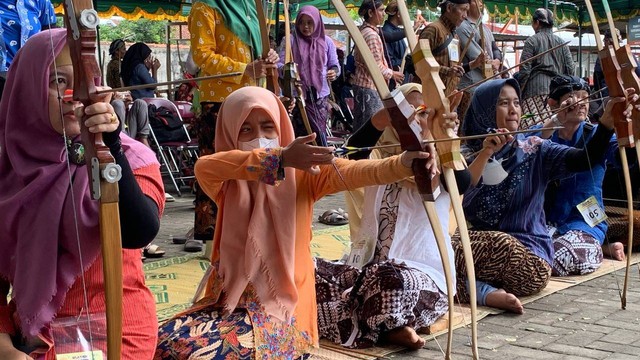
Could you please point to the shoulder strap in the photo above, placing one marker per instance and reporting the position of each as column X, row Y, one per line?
column 443, row 46
column 587, row 129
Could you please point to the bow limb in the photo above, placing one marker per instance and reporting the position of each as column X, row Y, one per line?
column 272, row 73
column 401, row 113
column 628, row 67
column 104, row 173
column 445, row 148
column 292, row 87
column 623, row 126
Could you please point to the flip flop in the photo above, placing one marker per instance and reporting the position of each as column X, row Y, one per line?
column 183, row 239
column 333, row 217
column 193, row 245
column 153, row 251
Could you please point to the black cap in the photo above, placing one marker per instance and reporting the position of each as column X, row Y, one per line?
column 564, row 84
column 543, row 15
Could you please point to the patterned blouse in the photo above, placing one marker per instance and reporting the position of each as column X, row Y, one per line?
column 216, row 50
column 516, row 205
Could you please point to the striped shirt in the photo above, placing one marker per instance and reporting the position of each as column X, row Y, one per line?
column 362, row 77
column 559, row 62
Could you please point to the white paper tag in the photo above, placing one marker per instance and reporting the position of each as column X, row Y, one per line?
column 83, row 355
column 591, row 211
column 454, row 50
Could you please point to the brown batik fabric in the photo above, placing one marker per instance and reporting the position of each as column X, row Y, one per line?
column 501, row 261
column 204, row 128
column 356, row 306
column 618, row 222
column 535, row 110
column 576, row 253
column 361, row 305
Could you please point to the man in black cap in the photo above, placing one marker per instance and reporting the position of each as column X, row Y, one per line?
column 445, row 45
column 536, row 76
column 574, row 207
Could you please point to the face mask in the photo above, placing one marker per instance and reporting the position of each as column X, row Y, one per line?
column 494, row 173
column 258, row 143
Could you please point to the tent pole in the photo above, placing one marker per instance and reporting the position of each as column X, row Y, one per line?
column 100, row 59
column 580, row 10
column 277, row 23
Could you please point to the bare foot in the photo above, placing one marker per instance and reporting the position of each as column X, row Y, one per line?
column 405, row 336
column 503, row 300
column 614, row 251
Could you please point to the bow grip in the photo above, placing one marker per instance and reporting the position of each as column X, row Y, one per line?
column 401, row 114
column 612, row 76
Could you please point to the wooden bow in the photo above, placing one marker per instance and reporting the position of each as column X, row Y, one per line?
column 623, row 127
column 104, row 173
column 272, row 73
column 449, row 153
column 291, row 87
column 628, row 67
column 401, row 113
column 487, row 67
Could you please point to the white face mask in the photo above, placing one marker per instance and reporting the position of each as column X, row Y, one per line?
column 494, row 173
column 259, row 143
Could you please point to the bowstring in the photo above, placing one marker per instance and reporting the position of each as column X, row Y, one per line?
column 81, row 265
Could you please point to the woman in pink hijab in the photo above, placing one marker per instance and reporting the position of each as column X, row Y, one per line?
column 259, row 299
column 50, row 232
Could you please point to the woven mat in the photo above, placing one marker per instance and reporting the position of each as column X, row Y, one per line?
column 173, row 282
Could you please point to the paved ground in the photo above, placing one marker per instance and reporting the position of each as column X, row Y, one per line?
column 582, row 322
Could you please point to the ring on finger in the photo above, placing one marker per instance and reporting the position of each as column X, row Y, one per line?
column 114, row 118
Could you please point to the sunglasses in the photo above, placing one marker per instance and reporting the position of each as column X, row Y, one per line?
column 566, row 85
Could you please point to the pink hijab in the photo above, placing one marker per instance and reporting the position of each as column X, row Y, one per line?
column 310, row 53
column 40, row 248
column 257, row 240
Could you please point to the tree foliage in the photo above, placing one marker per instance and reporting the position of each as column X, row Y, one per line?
column 141, row 30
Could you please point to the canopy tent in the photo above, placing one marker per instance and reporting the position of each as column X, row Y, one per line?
column 566, row 11
column 173, row 10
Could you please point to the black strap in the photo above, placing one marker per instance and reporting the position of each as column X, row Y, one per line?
column 586, row 131
column 443, row 46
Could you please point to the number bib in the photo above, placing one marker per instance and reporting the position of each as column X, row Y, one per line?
column 454, row 50
column 591, row 211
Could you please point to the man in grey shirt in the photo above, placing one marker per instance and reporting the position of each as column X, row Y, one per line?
column 477, row 54
column 536, row 76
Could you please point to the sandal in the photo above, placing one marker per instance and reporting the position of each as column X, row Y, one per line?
column 334, row 217
column 153, row 251
column 183, row 239
column 193, row 245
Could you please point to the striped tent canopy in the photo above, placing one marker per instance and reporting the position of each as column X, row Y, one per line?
column 174, row 10
column 566, row 11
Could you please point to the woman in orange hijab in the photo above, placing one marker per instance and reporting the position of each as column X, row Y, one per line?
column 260, row 291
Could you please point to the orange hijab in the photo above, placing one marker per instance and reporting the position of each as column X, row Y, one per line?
column 257, row 239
